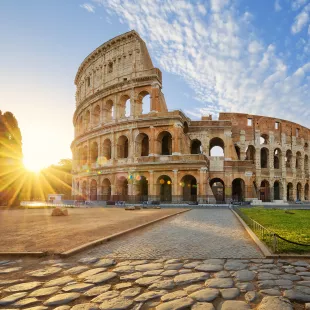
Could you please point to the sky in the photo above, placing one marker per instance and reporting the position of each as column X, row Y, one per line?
column 215, row 55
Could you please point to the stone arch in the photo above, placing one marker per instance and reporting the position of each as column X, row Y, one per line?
column 107, row 149
column 277, row 190
column 108, row 111
column 106, row 189
column 218, row 189
column 277, row 156
column 93, row 190
column 264, row 157
column 94, row 152
column 122, row 188
column 124, row 107
column 122, row 147
column 306, row 164
column 216, row 147
column 164, row 142
column 288, row 159
column 164, row 188
column 84, row 190
column 237, row 148
column 238, row 189
column 290, row 192
column 143, row 105
column 185, row 128
column 96, row 115
column 265, row 191
column 264, row 139
column 87, row 120
column 189, row 186
column 298, row 160
column 196, row 147
column 306, row 191
column 84, row 156
column 250, row 153
column 299, row 191
column 142, row 187
column 142, row 145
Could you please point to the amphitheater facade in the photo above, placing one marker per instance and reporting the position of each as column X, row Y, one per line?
column 129, row 146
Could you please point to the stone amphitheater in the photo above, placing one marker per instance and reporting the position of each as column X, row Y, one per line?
column 128, row 146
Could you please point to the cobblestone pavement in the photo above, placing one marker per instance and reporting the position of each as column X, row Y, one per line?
column 105, row 283
column 199, row 234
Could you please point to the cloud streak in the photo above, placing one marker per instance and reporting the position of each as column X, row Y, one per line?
column 215, row 50
column 88, row 7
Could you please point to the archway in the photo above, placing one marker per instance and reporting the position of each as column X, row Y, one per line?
column 218, row 189
column 124, row 107
column 298, row 161
column 142, row 188
column 165, row 188
column 106, row 149
column 87, row 120
column 93, row 190
column 142, row 145
column 84, row 190
column 196, row 147
column 122, row 188
column 94, row 152
column 299, row 191
column 108, row 111
column 277, row 190
column 237, row 148
column 84, row 156
column 264, row 191
column 189, row 185
column 288, row 159
column 289, row 192
column 165, row 142
column 143, row 105
column 185, row 128
column 250, row 153
column 264, row 139
column 264, row 157
column 106, row 190
column 122, row 147
column 96, row 115
column 216, row 147
column 277, row 159
column 238, row 190
column 306, row 165
column 307, row 192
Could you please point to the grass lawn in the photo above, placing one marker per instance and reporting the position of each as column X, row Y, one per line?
column 294, row 226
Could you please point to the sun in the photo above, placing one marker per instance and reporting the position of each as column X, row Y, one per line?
column 32, row 165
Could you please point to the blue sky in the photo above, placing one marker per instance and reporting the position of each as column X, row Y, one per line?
column 215, row 55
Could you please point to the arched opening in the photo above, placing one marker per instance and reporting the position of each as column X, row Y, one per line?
column 142, row 145
column 218, row 190
column 96, row 115
column 298, row 161
column 84, row 190
column 106, row 190
column 93, row 190
column 237, row 148
column 238, row 190
column 216, row 147
column 84, row 156
column 143, row 105
column 264, row 139
column 87, row 120
column 94, row 152
column 264, row 191
column 250, row 153
column 124, row 107
column 108, row 111
column 189, row 186
column 289, row 192
column 299, row 191
column 277, row 159
column 185, row 128
column 165, row 141
column 122, row 188
column 307, row 192
column 164, row 184
column 142, row 188
column 196, row 147
column 288, row 159
column 106, row 149
column 122, row 147
column 264, row 156
column 306, row 164
column 277, row 190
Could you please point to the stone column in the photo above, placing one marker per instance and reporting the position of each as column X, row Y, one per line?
column 151, row 186
column 175, row 185
column 152, row 142
column 113, row 146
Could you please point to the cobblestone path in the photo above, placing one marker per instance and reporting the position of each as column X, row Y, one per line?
column 197, row 234
column 93, row 283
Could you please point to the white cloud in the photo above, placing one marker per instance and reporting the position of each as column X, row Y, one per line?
column 88, row 7
column 228, row 67
column 297, row 4
column 301, row 20
column 277, row 6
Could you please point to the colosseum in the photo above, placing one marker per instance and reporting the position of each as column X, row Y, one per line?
column 128, row 146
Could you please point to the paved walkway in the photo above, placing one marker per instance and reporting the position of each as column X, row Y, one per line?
column 197, row 234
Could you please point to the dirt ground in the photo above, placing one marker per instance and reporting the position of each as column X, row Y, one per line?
column 35, row 230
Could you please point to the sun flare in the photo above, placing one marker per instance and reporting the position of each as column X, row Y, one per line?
column 33, row 165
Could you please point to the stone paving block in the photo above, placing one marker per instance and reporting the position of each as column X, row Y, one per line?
column 207, row 294
column 177, row 304
column 118, row 303
column 275, row 303
column 202, row 306
column 235, row 305
column 61, row 299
